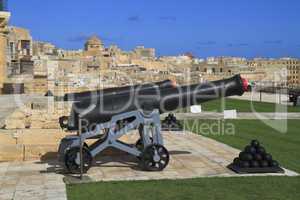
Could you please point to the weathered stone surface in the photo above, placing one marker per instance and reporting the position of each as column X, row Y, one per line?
column 37, row 124
column 51, row 125
column 37, row 152
column 15, row 124
column 29, row 144
column 43, row 118
column 18, row 114
column 8, row 138
column 41, row 136
column 11, row 152
column 26, row 181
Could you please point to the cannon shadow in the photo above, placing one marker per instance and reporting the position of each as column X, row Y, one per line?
column 117, row 160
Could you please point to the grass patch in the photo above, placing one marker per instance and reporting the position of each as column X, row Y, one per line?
column 246, row 106
column 275, row 188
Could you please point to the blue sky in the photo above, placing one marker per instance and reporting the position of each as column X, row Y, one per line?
column 250, row 28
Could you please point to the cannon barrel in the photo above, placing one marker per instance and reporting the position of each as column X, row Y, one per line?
column 89, row 95
column 165, row 99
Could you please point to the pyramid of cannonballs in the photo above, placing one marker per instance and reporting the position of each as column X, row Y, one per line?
column 255, row 159
column 170, row 123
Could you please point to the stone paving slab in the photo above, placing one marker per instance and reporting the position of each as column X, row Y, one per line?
column 30, row 181
column 192, row 156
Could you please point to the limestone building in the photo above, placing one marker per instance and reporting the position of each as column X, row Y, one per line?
column 43, row 48
column 94, row 47
column 19, row 51
column 293, row 69
column 4, row 18
column 144, row 53
column 288, row 68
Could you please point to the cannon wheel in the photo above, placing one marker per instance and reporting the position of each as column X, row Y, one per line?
column 72, row 160
column 155, row 158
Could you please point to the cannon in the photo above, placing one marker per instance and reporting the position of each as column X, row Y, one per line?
column 110, row 116
column 89, row 95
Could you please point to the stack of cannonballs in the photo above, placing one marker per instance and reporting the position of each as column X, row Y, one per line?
column 255, row 159
column 171, row 124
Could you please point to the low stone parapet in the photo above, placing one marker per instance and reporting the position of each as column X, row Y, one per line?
column 27, row 144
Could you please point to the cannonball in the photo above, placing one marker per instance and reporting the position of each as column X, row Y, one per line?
column 268, row 157
column 254, row 164
column 244, row 164
column 264, row 164
column 255, row 143
column 250, row 149
column 261, row 151
column 273, row 163
column 246, row 156
column 258, row 157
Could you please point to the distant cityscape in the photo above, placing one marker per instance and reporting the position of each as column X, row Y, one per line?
column 36, row 67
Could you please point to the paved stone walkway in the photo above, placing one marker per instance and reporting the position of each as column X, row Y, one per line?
column 192, row 156
column 30, row 181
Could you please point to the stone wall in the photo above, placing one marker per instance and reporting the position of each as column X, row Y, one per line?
column 29, row 144
column 32, row 132
column 37, row 116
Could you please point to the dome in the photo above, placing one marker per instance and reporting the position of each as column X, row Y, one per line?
column 94, row 40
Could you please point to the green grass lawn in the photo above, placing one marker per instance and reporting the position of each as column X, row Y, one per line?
column 258, row 188
column 246, row 106
column 284, row 147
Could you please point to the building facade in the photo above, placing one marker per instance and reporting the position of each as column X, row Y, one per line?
column 4, row 18
column 293, row 70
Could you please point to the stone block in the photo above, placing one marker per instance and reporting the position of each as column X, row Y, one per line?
column 37, row 124
column 8, row 138
column 42, row 136
column 11, row 152
column 39, row 105
column 40, row 152
column 18, row 114
column 51, row 125
column 30, row 144
column 15, row 124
